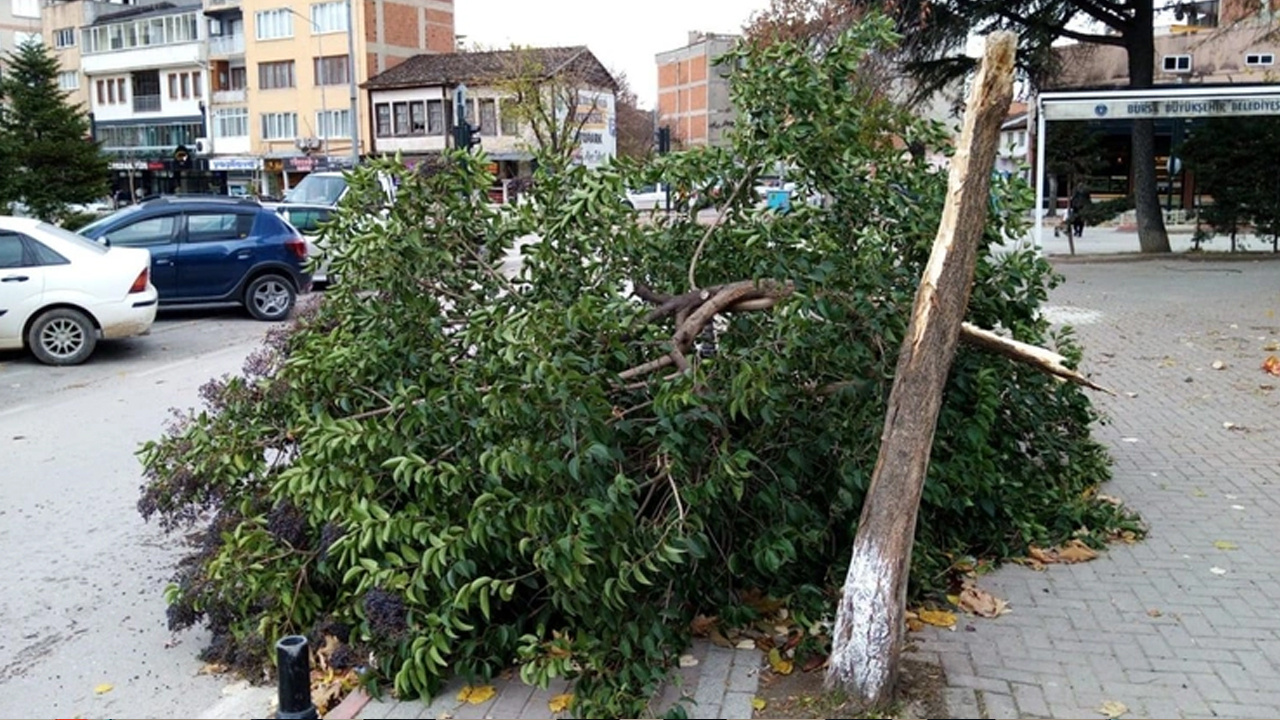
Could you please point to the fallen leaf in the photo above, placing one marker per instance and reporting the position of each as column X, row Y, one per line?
column 1225, row 545
column 758, row 703
column 687, row 661
column 1113, row 709
column 103, row 689
column 914, row 625
column 1271, row 365
column 212, row 669
column 476, row 694
column 560, row 703
column 1076, row 551
column 780, row 665
column 719, row 640
column 1103, row 497
column 1154, row 613
column 1219, row 365
column 1271, row 347
column 816, row 661
column 953, row 599
column 938, row 618
column 979, row 602
column 701, row 625
column 1041, row 556
column 1218, row 571
column 1199, row 493
column 746, row 645
column 1237, row 507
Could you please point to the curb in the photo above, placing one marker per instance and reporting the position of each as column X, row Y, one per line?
column 350, row 706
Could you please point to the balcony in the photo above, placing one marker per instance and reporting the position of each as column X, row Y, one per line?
column 226, row 45
column 228, row 97
column 219, row 5
column 146, row 103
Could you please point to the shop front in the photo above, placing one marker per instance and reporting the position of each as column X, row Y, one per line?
column 282, row 173
column 239, row 176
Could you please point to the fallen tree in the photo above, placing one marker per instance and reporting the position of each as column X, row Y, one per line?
column 453, row 471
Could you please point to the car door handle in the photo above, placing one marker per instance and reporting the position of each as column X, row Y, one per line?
column 16, row 278
column 164, row 261
column 244, row 255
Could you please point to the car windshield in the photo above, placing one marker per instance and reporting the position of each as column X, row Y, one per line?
column 68, row 236
column 91, row 229
column 317, row 190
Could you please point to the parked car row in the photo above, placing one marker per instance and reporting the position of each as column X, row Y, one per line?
column 60, row 292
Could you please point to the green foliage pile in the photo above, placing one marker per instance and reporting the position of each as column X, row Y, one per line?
column 47, row 157
column 446, row 463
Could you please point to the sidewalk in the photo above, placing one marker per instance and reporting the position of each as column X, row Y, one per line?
column 721, row 685
column 1107, row 240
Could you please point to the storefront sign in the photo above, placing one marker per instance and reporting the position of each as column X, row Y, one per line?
column 235, row 164
column 155, row 165
column 1121, row 109
column 128, row 165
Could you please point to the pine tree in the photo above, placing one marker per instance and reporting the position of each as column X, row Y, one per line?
column 44, row 139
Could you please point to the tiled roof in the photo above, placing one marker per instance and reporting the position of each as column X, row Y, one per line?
column 479, row 68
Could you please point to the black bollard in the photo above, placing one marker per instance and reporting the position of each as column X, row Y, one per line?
column 293, row 664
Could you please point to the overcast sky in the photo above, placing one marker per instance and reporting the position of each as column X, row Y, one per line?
column 624, row 35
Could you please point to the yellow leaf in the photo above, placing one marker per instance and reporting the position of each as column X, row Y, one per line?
column 780, row 665
column 981, row 603
column 953, row 599
column 1226, row 545
column 938, row 618
column 1076, row 551
column 914, row 624
column 560, row 703
column 476, row 694
column 1113, row 709
column 758, row 703
column 103, row 689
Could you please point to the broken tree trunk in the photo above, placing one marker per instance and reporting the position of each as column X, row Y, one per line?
column 869, row 623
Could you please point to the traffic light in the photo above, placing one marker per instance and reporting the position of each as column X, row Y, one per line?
column 664, row 139
column 466, row 136
column 182, row 158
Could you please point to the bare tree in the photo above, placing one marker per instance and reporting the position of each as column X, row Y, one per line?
column 635, row 126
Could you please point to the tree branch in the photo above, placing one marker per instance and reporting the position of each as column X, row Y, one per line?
column 724, row 209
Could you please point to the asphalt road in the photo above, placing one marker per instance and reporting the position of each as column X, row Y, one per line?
column 82, row 615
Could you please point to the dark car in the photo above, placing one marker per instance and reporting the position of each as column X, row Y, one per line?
column 213, row 249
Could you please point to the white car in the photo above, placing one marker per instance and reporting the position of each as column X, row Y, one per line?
column 60, row 293
column 649, row 197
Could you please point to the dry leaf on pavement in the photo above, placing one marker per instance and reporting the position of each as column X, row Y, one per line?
column 476, row 694
column 1044, row 557
column 746, row 645
column 1219, row 365
column 103, row 689
column 688, row 661
column 979, row 602
column 701, row 625
column 560, row 703
column 1271, row 365
column 938, row 618
column 1075, row 551
column 719, row 640
column 758, row 703
column 780, row 665
column 1113, row 709
column 1225, row 545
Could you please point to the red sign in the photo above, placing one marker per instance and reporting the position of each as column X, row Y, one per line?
column 155, row 164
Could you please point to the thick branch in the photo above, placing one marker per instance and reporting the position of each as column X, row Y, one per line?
column 1037, row 357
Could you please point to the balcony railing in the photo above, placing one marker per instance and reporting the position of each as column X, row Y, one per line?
column 146, row 103
column 223, row 45
column 228, row 97
column 221, row 4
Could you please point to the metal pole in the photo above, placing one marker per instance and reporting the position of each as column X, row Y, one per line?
column 1040, row 143
column 293, row 663
column 351, row 81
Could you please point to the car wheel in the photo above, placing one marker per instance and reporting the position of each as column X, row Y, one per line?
column 62, row 336
column 269, row 297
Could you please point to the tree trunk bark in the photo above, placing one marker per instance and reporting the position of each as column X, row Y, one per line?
column 1152, row 235
column 869, row 623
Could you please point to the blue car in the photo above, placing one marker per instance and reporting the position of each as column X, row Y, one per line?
column 212, row 250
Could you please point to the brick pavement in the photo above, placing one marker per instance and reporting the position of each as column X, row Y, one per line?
column 721, row 685
column 1182, row 624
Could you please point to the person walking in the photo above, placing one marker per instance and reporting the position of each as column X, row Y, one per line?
column 1079, row 201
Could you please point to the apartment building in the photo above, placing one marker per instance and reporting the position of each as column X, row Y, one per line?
column 238, row 96
column 693, row 91
column 19, row 21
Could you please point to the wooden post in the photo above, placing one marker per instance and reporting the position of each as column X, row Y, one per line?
column 869, row 624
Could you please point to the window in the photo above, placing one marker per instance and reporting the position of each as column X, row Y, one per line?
column 64, row 37
column 231, row 122
column 488, row 117
column 120, row 88
column 26, row 8
column 274, row 75
column 1259, row 59
column 382, row 120
column 137, row 33
column 307, row 220
column 151, row 231
column 329, row 17
column 417, row 118
column 111, row 92
column 212, row 227
column 510, row 117
column 102, row 92
column 239, row 78
column 12, row 252
column 331, row 70
column 69, row 80
column 279, row 126
column 186, row 85
column 1177, row 63
column 21, row 38
column 273, row 24
column 401, row 112
column 333, row 124
column 196, row 90
column 435, row 117
column 44, row 255
column 173, row 86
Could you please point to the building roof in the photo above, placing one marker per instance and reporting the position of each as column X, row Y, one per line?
column 134, row 12
column 480, row 68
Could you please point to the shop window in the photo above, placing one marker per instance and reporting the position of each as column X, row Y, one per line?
column 1177, row 63
column 1259, row 59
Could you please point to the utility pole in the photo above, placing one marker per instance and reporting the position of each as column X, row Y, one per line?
column 351, row 82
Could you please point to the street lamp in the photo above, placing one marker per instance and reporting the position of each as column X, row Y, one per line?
column 351, row 83
column 324, row 109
